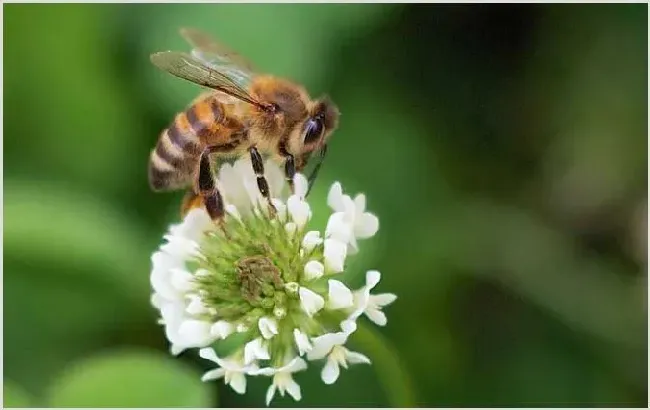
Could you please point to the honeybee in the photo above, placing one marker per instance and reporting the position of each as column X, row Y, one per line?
column 243, row 113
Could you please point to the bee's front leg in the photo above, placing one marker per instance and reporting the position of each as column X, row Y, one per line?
column 314, row 173
column 289, row 170
column 262, row 184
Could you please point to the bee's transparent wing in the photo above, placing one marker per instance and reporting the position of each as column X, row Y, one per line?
column 218, row 56
column 190, row 68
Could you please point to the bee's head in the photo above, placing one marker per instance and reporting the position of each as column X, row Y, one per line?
column 310, row 137
column 315, row 130
column 301, row 125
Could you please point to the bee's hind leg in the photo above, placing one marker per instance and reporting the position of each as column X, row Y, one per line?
column 207, row 189
column 262, row 184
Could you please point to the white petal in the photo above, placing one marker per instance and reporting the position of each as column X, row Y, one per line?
column 194, row 224
column 173, row 315
column 233, row 188
column 310, row 301
column 195, row 333
column 302, row 342
column 295, row 365
column 300, row 185
column 176, row 349
column 268, row 327
column 275, row 177
column 383, row 299
column 330, row 371
column 266, row 371
column 334, row 254
column 361, row 299
column 311, row 240
column 299, row 210
column 255, row 350
column 338, row 227
column 313, row 270
column 270, row 393
column 181, row 279
column 156, row 300
column 356, row 357
column 221, row 329
column 339, row 295
column 238, row 382
column 349, row 209
column 335, row 197
column 179, row 247
column 293, row 389
column 161, row 277
column 195, row 307
column 360, row 203
column 213, row 375
column 376, row 316
column 366, row 225
column 208, row 353
column 348, row 326
column 372, row 278
column 322, row 345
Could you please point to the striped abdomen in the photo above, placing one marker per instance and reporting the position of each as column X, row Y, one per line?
column 174, row 159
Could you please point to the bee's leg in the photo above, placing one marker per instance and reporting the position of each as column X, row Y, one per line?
column 207, row 188
column 262, row 184
column 314, row 173
column 289, row 170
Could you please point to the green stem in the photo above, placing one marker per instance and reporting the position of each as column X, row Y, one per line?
column 388, row 367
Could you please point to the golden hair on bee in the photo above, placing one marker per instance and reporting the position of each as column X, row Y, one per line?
column 245, row 113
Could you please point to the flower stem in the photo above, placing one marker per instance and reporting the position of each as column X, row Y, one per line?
column 389, row 368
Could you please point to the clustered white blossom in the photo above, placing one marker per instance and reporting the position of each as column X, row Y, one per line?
column 267, row 282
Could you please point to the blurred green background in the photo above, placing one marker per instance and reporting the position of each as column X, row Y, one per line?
column 503, row 147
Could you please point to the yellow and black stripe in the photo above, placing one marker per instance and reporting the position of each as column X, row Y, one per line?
column 174, row 159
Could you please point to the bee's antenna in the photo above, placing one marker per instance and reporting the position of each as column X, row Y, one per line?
column 314, row 172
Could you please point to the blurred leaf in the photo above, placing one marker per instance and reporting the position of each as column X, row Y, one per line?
column 71, row 267
column 544, row 265
column 77, row 117
column 590, row 98
column 67, row 226
column 130, row 378
column 14, row 396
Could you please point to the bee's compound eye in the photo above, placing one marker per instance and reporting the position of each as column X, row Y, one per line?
column 313, row 130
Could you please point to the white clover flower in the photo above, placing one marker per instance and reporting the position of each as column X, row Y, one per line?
column 351, row 221
column 370, row 305
column 232, row 370
column 282, row 379
column 268, row 327
column 270, row 284
column 331, row 345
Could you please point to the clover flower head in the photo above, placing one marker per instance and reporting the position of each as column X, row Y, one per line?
column 267, row 283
